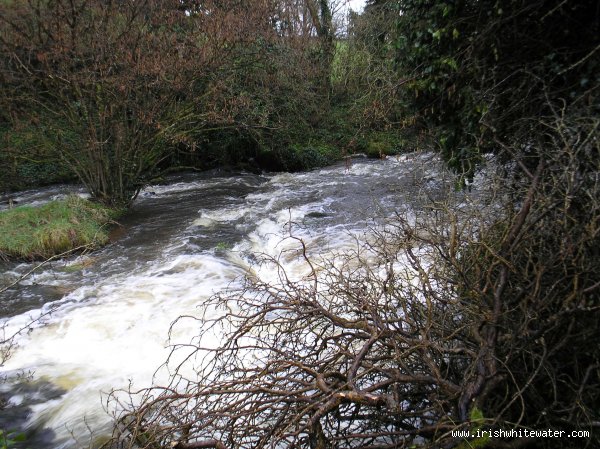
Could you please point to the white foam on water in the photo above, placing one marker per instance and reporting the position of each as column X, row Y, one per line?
column 120, row 334
column 116, row 331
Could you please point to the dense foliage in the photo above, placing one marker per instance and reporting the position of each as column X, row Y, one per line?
column 480, row 75
column 117, row 92
column 492, row 317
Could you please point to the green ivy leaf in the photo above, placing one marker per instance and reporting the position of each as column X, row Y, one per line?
column 451, row 62
column 476, row 416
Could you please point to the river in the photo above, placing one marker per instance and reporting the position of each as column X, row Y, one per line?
column 105, row 316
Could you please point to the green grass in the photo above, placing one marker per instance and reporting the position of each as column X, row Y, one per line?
column 54, row 228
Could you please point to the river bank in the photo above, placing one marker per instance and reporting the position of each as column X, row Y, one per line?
column 57, row 227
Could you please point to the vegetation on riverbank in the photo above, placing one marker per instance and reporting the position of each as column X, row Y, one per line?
column 102, row 96
column 54, row 228
column 503, row 324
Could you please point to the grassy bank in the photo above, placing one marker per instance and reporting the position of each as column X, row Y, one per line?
column 41, row 232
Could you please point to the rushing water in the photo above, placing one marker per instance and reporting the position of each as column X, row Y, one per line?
column 106, row 316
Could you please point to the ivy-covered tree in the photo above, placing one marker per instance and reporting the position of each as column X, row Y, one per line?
column 482, row 72
column 518, row 80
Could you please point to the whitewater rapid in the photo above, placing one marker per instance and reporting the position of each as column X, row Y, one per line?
column 101, row 321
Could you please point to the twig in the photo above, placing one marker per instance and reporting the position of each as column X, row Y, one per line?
column 40, row 265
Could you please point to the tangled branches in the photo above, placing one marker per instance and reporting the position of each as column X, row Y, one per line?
column 353, row 354
column 469, row 316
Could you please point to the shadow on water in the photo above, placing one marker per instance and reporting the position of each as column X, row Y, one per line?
column 16, row 402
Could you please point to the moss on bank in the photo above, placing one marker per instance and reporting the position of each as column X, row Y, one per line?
column 54, row 228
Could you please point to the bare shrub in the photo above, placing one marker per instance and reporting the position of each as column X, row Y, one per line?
column 471, row 315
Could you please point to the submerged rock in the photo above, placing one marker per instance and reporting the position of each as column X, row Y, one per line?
column 316, row 215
